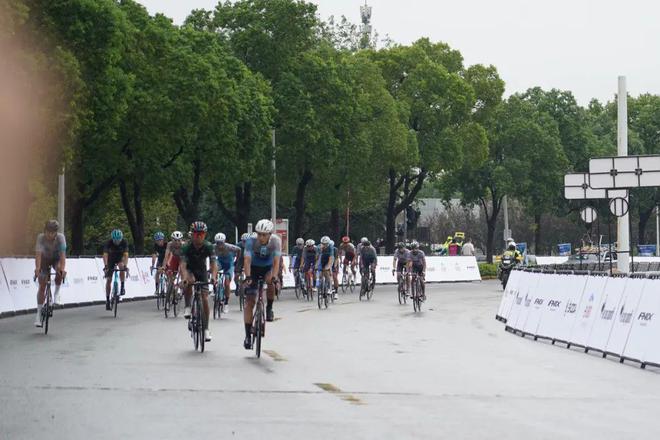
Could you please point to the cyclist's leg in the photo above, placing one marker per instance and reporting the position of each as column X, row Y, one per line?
column 228, row 277
column 270, row 294
column 122, row 276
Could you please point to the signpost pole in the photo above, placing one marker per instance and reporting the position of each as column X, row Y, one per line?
column 657, row 231
column 273, row 193
column 623, row 227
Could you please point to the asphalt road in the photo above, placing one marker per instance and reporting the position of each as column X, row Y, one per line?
column 356, row 371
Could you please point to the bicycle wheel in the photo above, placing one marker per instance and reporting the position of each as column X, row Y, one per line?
column 216, row 306
column 344, row 282
column 325, row 297
column 370, row 289
column 319, row 296
column 258, row 330
column 399, row 289
column 351, row 282
column 297, row 287
column 200, row 326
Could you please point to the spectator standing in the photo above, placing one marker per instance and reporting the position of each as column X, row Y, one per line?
column 468, row 248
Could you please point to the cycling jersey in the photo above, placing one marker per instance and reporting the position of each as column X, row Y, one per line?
column 115, row 251
column 325, row 254
column 263, row 255
column 226, row 254
column 309, row 257
column 402, row 255
column 296, row 256
column 174, row 249
column 347, row 249
column 195, row 259
column 160, row 251
column 418, row 261
column 335, row 254
column 368, row 255
column 50, row 250
column 239, row 261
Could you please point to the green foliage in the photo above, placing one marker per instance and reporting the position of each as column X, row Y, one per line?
column 488, row 270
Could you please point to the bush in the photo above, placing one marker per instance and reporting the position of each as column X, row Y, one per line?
column 487, row 270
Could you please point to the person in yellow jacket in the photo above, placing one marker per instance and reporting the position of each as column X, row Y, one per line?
column 513, row 251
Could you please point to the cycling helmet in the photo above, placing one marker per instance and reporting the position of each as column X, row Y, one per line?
column 177, row 235
column 414, row 245
column 264, row 226
column 117, row 235
column 400, row 245
column 52, row 226
column 345, row 239
column 310, row 242
column 220, row 237
column 159, row 236
column 253, row 235
column 332, row 242
column 198, row 227
column 364, row 240
column 300, row 242
column 512, row 245
column 325, row 240
column 366, row 243
column 245, row 236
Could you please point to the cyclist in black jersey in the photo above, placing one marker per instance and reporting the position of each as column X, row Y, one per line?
column 115, row 253
column 193, row 269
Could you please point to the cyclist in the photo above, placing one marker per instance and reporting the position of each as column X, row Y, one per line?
column 50, row 251
column 239, row 262
column 347, row 252
column 325, row 261
column 173, row 256
column 115, row 253
column 295, row 259
column 368, row 260
column 363, row 240
column 227, row 254
column 158, row 256
column 261, row 262
column 335, row 267
column 308, row 260
column 193, row 269
column 417, row 264
column 400, row 261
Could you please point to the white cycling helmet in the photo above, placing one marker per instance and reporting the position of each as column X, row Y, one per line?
column 325, row 240
column 300, row 241
column 245, row 236
column 364, row 240
column 177, row 235
column 332, row 242
column 264, row 226
column 310, row 242
column 220, row 237
column 253, row 235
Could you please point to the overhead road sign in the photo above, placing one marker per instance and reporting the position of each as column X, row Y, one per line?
column 621, row 172
column 576, row 187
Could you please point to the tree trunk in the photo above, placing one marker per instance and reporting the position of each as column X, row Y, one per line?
column 334, row 225
column 489, row 239
column 134, row 213
column 390, row 214
column 77, row 226
column 644, row 217
column 299, row 204
column 537, row 234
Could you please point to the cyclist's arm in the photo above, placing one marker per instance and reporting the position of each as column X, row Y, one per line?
column 183, row 270
column 105, row 259
column 154, row 256
column 37, row 262
column 276, row 265
column 166, row 260
column 247, row 265
column 62, row 264
column 213, row 262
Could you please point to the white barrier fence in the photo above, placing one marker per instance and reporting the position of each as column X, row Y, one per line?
column 616, row 315
column 85, row 284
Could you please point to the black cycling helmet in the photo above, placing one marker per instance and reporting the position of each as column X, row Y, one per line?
column 52, row 226
column 366, row 243
column 400, row 245
column 198, row 227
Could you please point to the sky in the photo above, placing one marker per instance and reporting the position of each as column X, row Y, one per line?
column 577, row 45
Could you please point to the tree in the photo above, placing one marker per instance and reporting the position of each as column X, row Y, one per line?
column 438, row 104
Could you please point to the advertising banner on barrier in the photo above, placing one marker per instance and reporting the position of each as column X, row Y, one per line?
column 588, row 310
column 6, row 303
column 623, row 316
column 546, row 288
column 509, row 294
column 84, row 281
column 134, row 285
column 642, row 344
column 646, row 250
column 20, row 281
column 523, row 301
column 553, row 309
column 560, row 329
column 609, row 304
column 449, row 269
column 564, row 249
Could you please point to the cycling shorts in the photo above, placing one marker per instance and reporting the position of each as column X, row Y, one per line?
column 257, row 273
column 308, row 265
column 417, row 268
column 113, row 260
column 348, row 258
column 400, row 265
column 173, row 265
column 227, row 267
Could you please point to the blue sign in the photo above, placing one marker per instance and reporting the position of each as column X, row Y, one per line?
column 564, row 249
column 646, row 250
column 522, row 248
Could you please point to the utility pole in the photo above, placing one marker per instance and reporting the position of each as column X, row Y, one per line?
column 60, row 200
column 507, row 231
column 273, row 192
column 623, row 225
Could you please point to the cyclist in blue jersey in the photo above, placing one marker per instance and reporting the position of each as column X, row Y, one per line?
column 326, row 259
column 227, row 255
column 261, row 262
